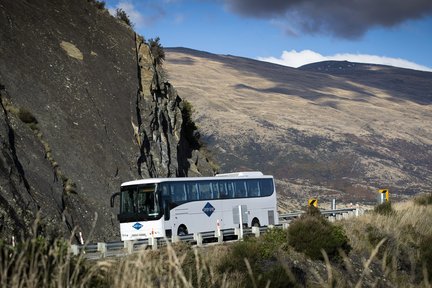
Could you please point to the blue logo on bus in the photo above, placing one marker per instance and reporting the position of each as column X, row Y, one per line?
column 208, row 209
column 137, row 226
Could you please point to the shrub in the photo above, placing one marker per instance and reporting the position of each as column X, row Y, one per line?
column 260, row 255
column 97, row 4
column 385, row 209
column 26, row 116
column 157, row 50
column 38, row 262
column 425, row 248
column 272, row 241
column 309, row 234
column 121, row 14
column 425, row 199
column 100, row 5
column 189, row 126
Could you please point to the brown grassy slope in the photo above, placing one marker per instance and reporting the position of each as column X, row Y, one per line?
column 387, row 251
column 321, row 134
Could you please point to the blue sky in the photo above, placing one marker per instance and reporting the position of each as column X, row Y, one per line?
column 292, row 32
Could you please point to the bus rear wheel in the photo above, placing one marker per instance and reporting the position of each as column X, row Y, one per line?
column 255, row 223
column 182, row 231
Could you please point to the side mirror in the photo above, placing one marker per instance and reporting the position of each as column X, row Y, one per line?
column 113, row 197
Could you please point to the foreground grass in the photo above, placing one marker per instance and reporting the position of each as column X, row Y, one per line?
column 386, row 250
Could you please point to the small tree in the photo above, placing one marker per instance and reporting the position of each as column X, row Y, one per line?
column 312, row 233
column 157, row 50
column 121, row 14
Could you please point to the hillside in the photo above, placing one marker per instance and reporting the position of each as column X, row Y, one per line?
column 329, row 130
column 85, row 107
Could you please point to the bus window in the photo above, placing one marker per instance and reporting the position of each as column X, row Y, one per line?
column 230, row 189
column 253, row 188
column 226, row 189
column 215, row 190
column 192, row 191
column 266, row 187
column 205, row 190
column 178, row 193
column 240, row 189
column 127, row 201
column 142, row 203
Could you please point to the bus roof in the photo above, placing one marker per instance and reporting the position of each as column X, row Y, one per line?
column 228, row 176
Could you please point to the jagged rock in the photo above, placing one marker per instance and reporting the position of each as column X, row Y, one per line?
column 105, row 115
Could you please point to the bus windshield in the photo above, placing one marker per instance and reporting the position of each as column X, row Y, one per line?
column 141, row 201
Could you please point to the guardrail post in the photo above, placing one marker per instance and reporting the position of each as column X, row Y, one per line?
column 129, row 245
column 285, row 226
column 102, row 248
column 357, row 211
column 175, row 239
column 75, row 249
column 332, row 218
column 198, row 238
column 239, row 233
column 153, row 242
column 218, row 234
column 256, row 231
column 220, row 238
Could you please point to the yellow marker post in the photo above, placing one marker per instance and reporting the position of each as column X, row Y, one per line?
column 313, row 202
column 386, row 193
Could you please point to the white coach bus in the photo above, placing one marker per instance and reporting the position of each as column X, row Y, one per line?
column 161, row 207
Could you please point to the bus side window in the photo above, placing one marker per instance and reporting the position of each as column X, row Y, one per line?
column 253, row 188
column 223, row 193
column 230, row 189
column 240, row 189
column 215, row 190
column 204, row 189
column 166, row 199
column 192, row 191
column 178, row 192
column 266, row 187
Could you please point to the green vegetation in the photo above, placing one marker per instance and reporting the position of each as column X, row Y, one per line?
column 388, row 250
column 425, row 199
column 312, row 233
column 38, row 262
column 257, row 260
column 98, row 4
column 384, row 208
column 121, row 15
column 189, row 126
column 157, row 50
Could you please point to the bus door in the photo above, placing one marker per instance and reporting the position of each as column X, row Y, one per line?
column 226, row 193
column 210, row 209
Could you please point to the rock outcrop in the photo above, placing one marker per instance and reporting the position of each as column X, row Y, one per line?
column 84, row 108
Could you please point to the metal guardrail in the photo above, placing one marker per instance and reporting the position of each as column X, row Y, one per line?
column 122, row 248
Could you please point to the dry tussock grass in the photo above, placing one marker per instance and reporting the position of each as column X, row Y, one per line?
column 387, row 252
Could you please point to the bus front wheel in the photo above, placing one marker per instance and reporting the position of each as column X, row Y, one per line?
column 182, row 230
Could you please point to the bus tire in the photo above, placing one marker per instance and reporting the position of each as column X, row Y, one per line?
column 255, row 222
column 182, row 230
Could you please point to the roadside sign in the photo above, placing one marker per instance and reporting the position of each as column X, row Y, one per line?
column 313, row 202
column 384, row 194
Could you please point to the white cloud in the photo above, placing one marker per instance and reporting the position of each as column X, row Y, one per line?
column 296, row 59
column 134, row 15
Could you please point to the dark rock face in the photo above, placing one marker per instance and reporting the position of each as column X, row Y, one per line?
column 103, row 114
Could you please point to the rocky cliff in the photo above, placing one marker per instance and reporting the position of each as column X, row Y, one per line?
column 84, row 108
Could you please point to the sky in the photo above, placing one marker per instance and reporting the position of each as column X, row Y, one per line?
column 292, row 32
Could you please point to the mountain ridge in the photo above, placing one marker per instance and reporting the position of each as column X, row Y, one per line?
column 321, row 134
